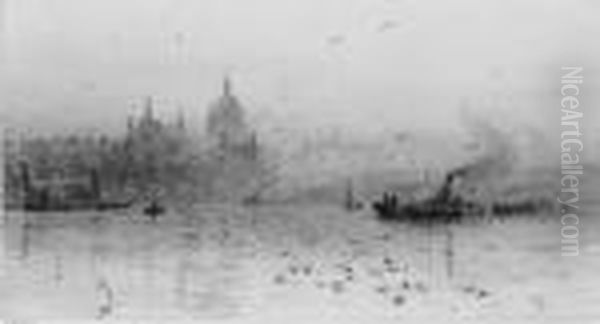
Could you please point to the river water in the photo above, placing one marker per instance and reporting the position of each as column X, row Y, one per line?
column 291, row 264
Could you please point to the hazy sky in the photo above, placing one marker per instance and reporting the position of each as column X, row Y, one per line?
column 86, row 63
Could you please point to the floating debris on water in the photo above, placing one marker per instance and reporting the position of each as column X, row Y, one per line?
column 399, row 300
column 279, row 279
column 337, row 286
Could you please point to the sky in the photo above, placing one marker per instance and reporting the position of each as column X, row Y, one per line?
column 87, row 64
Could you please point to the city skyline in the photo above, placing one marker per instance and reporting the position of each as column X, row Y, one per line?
column 95, row 61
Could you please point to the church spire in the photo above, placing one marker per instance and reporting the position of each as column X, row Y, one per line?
column 226, row 86
column 130, row 124
column 148, row 110
column 180, row 119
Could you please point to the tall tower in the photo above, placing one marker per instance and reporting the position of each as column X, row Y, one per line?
column 130, row 125
column 180, row 119
column 148, row 110
column 253, row 146
column 226, row 86
column 149, row 124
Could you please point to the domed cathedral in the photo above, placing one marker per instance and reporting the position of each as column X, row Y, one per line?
column 226, row 126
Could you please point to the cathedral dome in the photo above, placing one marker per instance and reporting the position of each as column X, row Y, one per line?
column 226, row 115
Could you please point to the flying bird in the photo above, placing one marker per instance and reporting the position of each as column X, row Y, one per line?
column 336, row 40
column 403, row 137
column 388, row 25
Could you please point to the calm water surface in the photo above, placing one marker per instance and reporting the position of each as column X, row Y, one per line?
column 220, row 263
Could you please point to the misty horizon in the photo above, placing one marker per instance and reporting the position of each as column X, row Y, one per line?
column 88, row 66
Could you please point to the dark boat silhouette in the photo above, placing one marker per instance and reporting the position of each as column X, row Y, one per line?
column 154, row 209
column 447, row 205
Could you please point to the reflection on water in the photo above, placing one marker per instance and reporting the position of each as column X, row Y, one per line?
column 221, row 263
column 111, row 267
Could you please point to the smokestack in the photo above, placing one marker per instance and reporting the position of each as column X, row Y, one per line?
column 25, row 177
column 95, row 184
